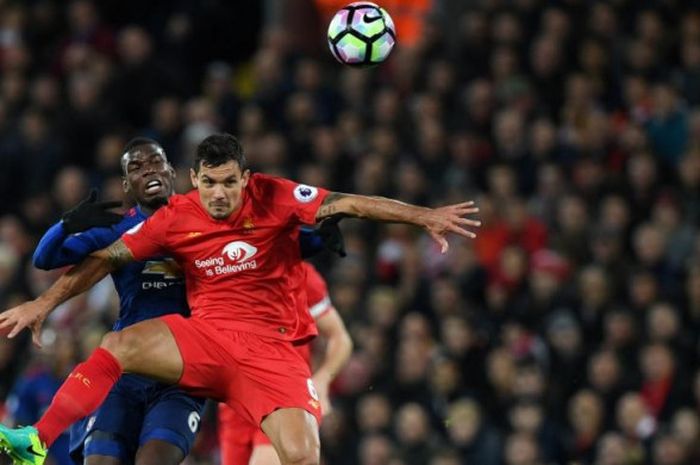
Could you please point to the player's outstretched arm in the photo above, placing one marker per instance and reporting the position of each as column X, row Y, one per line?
column 438, row 222
column 76, row 281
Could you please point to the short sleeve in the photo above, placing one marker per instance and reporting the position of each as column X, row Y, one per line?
column 148, row 238
column 298, row 201
column 316, row 292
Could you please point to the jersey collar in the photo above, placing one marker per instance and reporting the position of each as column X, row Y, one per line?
column 140, row 212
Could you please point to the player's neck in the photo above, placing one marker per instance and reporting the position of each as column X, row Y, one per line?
column 146, row 210
column 149, row 210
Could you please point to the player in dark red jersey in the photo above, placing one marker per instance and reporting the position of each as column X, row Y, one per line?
column 242, row 442
column 234, row 237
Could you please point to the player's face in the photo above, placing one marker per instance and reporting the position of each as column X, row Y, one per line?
column 220, row 187
column 148, row 176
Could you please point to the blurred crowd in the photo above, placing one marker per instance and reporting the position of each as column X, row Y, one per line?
column 568, row 331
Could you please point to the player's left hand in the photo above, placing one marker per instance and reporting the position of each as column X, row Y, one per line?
column 27, row 315
column 321, row 384
column 439, row 222
column 90, row 213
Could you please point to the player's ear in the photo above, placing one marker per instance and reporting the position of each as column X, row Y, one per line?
column 245, row 177
column 193, row 178
column 125, row 185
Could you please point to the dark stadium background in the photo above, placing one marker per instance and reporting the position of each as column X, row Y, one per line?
column 568, row 332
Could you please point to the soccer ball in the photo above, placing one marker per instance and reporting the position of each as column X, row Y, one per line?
column 361, row 34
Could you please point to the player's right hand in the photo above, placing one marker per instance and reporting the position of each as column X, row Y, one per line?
column 439, row 222
column 30, row 315
column 89, row 214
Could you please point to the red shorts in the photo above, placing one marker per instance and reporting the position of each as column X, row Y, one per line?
column 237, row 437
column 254, row 375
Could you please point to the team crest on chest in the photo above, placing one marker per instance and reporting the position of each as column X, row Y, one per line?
column 239, row 251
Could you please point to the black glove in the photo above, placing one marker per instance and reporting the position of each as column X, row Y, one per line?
column 332, row 236
column 89, row 214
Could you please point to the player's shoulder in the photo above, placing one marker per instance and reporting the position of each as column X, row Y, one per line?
column 135, row 217
column 263, row 186
column 284, row 190
column 261, row 181
column 316, row 286
column 308, row 268
column 313, row 277
column 131, row 218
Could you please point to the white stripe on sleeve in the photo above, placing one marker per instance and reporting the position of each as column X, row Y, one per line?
column 320, row 308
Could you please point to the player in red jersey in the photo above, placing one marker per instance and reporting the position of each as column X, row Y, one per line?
column 242, row 442
column 234, row 237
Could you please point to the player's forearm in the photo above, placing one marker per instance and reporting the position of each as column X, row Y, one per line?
column 372, row 208
column 76, row 281
column 338, row 351
column 86, row 274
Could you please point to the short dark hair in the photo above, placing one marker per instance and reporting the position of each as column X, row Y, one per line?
column 218, row 149
column 137, row 142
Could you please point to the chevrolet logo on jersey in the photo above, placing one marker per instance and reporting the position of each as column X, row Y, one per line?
column 167, row 268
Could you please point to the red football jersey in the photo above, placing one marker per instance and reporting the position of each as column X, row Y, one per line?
column 242, row 273
column 319, row 302
column 316, row 292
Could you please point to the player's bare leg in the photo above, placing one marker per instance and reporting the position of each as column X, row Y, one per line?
column 101, row 460
column 264, row 454
column 157, row 452
column 294, row 434
column 147, row 348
